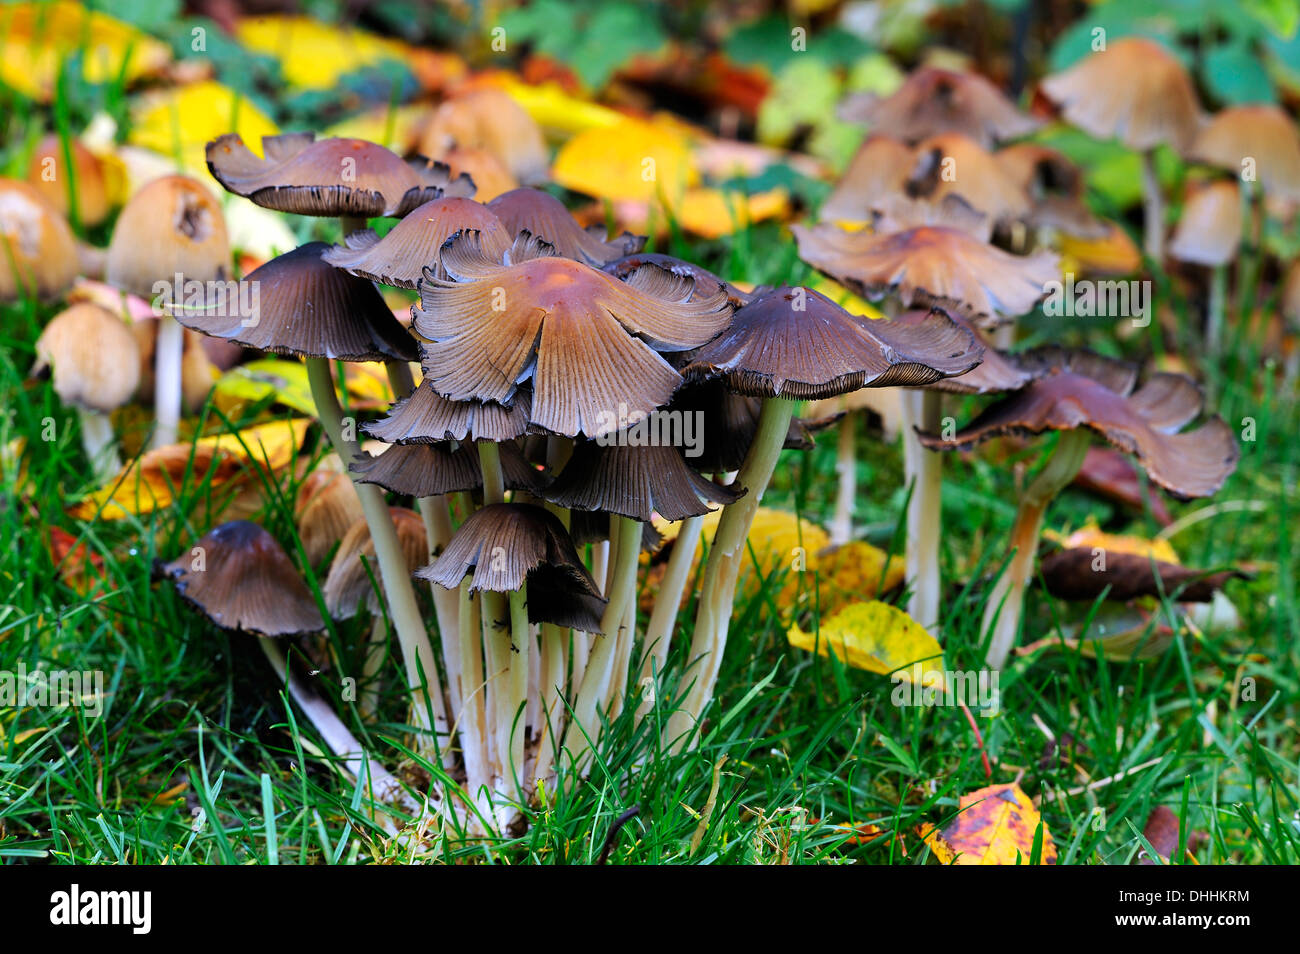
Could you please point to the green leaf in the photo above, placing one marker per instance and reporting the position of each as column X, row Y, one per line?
column 1234, row 74
column 1281, row 17
column 593, row 40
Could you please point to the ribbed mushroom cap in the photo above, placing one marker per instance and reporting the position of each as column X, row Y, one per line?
column 1115, row 374
column 934, row 101
column 94, row 357
column 1260, row 132
column 337, row 177
column 349, row 582
column 636, row 482
column 705, row 280
column 880, row 168
column 491, row 120
column 541, row 214
column 173, row 226
column 588, row 342
column 1134, row 90
column 426, row 417
column 426, row 470
column 930, row 265
column 797, row 343
column 1074, row 574
column 1144, row 424
column 954, row 164
column 400, row 257
column 505, row 545
column 1210, row 228
column 38, row 253
column 592, row 526
column 327, row 505
column 48, row 174
column 241, row 579
column 303, row 306
column 995, row 372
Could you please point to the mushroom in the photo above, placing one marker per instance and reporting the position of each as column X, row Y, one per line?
column 325, row 507
column 1208, row 234
column 623, row 268
column 544, row 216
column 880, row 168
column 169, row 240
column 1079, row 395
column 80, row 193
column 96, row 368
column 426, row 417
column 786, row 345
column 421, row 469
column 1136, row 91
column 954, row 164
column 490, row 120
column 38, row 253
column 1055, row 188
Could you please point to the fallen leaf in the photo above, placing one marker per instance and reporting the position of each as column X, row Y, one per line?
column 315, row 55
column 633, row 160
column 996, row 825
column 77, row 566
column 1112, row 254
column 180, row 122
column 1161, row 832
column 876, row 637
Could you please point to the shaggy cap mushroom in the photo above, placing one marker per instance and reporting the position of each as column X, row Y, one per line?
column 426, row 470
column 544, row 216
column 305, row 307
column 588, row 342
column 505, row 546
column 996, row 372
column 93, row 355
column 173, row 226
column 48, row 175
column 880, row 168
column 426, row 417
column 1210, row 229
column 705, row 280
column 1261, row 133
column 954, row 164
column 935, row 101
column 1055, row 188
column 490, row 120
column 1073, row 574
column 334, row 177
column 400, row 257
column 1134, row 91
column 353, row 572
column 327, row 505
column 239, row 577
column 38, row 253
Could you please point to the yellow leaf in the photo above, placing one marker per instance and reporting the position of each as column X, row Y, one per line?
column 1094, row 539
column 560, row 114
column 1112, row 254
column 173, row 793
column 712, row 213
column 996, row 826
column 26, row 734
column 633, row 160
column 315, row 55
column 843, row 297
column 855, row 570
column 286, row 381
column 180, row 122
column 876, row 637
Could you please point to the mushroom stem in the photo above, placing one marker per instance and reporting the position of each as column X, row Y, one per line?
column 520, row 644
column 495, row 636
column 374, row 661
column 1214, row 309
column 722, row 569
column 551, row 687
column 1006, row 601
column 99, row 441
column 471, row 722
column 417, row 651
column 584, row 724
column 168, row 355
column 494, row 485
column 400, row 378
column 436, row 512
column 846, row 469
column 924, row 474
column 350, row 224
column 659, row 630
column 1152, row 208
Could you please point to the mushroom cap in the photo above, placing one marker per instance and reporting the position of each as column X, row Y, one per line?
column 592, row 526
column 995, row 373
column 1261, row 132
column 505, row 546
column 797, row 343
column 490, row 120
column 327, row 505
column 89, row 179
column 954, row 164
column 880, row 168
column 636, row 482
column 1210, row 228
column 1134, row 90
column 426, row 417
column 490, row 175
column 930, row 265
column 705, row 280
column 38, row 253
column 247, row 582
column 94, row 357
column 544, row 216
column 336, row 177
column 426, row 470
column 1115, row 374
column 1144, row 424
column 349, row 581
column 400, row 257
column 173, row 226
column 1055, row 187
column 298, row 304
column 933, row 101
column 588, row 342
column 1073, row 574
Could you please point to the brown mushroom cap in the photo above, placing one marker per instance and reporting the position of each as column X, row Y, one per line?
column 935, row 101
column 505, row 546
column 47, row 174
column 1144, row 424
column 705, row 280
column 1115, row 374
column 94, row 357
column 996, row 372
column 1261, row 132
column 797, row 343
column 400, row 257
column 588, row 342
column 541, row 214
column 954, row 164
column 1055, row 187
column 245, row 581
column 354, row 572
column 304, row 307
column 1112, row 475
column 1073, row 574
column 425, row 470
column 1210, row 228
column 1134, row 90
column 38, row 253
column 491, row 120
column 426, row 417
column 490, row 175
column 880, row 168
column 336, row 177
column 636, row 482
column 326, row 507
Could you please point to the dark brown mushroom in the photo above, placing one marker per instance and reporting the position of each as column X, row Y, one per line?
column 429, row 469
column 426, row 417
column 705, row 280
column 543, row 215
column 1076, row 574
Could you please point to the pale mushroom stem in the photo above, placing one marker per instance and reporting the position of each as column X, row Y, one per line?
column 846, row 470
column 584, row 723
column 668, row 601
column 722, row 569
column 616, row 687
column 1003, row 610
column 99, row 441
column 1214, row 310
column 924, row 474
column 521, row 640
column 168, row 356
column 436, row 513
column 417, row 651
column 496, row 622
column 551, row 717
column 1152, row 208
column 374, row 661
column 384, row 788
column 471, row 721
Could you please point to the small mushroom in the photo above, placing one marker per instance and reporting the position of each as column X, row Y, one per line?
column 426, row 417
column 879, row 169
column 431, row 469
column 490, row 120
column 38, row 253
column 1208, row 234
column 67, row 174
column 1258, row 138
column 544, row 216
column 1055, row 187
column 326, row 506
column 954, row 164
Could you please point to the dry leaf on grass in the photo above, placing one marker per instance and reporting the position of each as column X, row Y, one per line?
column 996, row 826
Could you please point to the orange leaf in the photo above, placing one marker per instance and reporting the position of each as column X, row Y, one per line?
column 996, row 826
